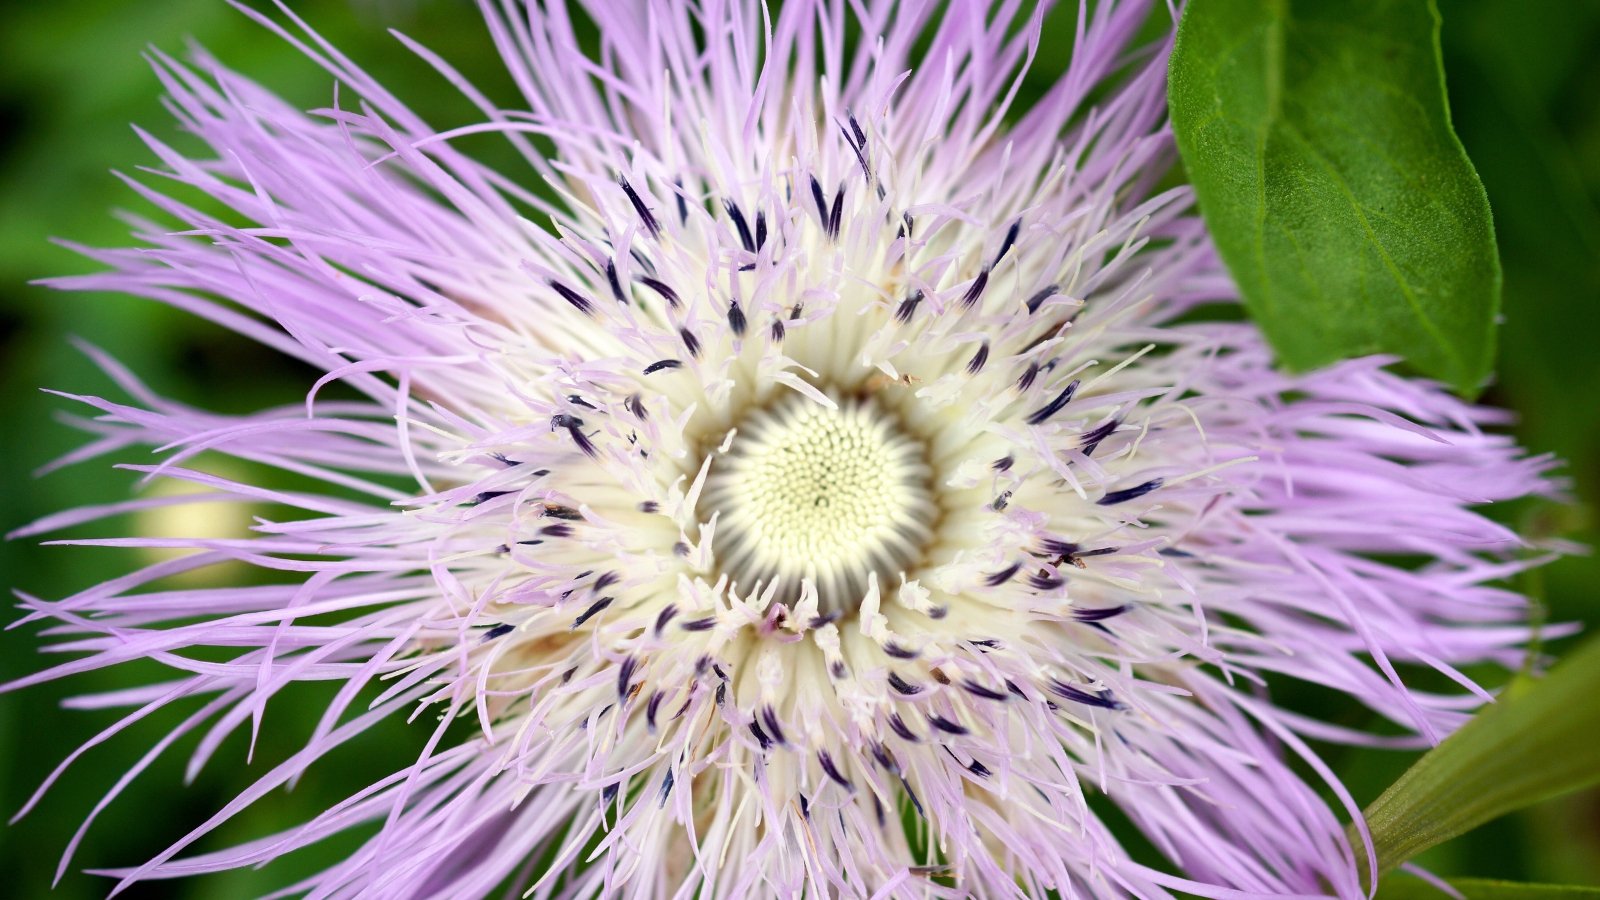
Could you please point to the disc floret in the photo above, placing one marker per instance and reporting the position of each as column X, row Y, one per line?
column 820, row 493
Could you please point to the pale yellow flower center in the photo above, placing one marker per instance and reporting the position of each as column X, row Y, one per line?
column 829, row 495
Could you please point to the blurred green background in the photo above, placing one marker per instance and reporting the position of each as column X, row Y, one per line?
column 1524, row 81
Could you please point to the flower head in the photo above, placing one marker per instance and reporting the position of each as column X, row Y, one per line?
column 809, row 476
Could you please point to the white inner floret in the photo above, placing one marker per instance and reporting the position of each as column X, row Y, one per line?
column 807, row 493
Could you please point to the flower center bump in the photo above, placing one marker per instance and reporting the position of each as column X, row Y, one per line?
column 826, row 496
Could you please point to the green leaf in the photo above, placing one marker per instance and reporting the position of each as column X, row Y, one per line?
column 1319, row 143
column 1407, row 888
column 1540, row 740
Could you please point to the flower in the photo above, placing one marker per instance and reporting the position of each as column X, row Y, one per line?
column 815, row 474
